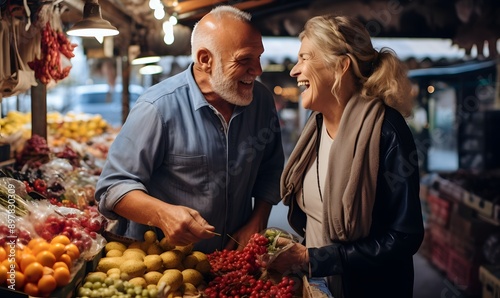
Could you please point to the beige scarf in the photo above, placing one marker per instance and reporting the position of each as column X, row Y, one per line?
column 353, row 167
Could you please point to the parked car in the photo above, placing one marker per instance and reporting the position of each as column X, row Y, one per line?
column 101, row 99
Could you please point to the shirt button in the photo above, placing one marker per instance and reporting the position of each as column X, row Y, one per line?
column 222, row 128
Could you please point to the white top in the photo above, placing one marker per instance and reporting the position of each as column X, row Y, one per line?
column 312, row 204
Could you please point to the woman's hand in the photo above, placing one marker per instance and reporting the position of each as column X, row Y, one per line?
column 293, row 259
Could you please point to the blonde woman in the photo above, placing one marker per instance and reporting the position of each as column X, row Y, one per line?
column 352, row 181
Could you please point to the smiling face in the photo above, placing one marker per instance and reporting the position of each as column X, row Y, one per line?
column 237, row 66
column 313, row 77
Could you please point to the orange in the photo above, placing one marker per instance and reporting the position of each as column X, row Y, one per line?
column 7, row 263
column 33, row 242
column 73, row 251
column 46, row 258
column 3, row 274
column 57, row 249
column 19, row 280
column 61, row 239
column 18, row 255
column 62, row 276
column 26, row 250
column 60, row 264
column 48, row 270
column 66, row 259
column 47, row 284
column 33, row 272
column 26, row 259
column 3, row 254
column 40, row 247
column 31, row 289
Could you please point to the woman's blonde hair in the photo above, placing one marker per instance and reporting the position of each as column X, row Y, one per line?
column 379, row 73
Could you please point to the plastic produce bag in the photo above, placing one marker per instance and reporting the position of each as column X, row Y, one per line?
column 50, row 221
column 15, row 228
column 279, row 241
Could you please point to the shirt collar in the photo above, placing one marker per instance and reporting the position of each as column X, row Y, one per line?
column 196, row 96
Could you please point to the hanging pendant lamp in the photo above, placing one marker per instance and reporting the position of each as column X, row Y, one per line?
column 92, row 24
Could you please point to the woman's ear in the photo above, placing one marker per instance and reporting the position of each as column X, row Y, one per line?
column 204, row 59
column 346, row 63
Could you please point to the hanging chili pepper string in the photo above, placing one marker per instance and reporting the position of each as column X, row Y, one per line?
column 49, row 66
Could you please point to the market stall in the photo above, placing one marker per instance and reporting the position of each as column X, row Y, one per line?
column 55, row 243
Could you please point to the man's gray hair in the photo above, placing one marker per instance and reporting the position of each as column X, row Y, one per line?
column 200, row 39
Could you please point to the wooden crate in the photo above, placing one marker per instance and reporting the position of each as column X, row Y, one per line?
column 489, row 275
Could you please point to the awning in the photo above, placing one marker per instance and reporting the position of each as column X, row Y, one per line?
column 277, row 49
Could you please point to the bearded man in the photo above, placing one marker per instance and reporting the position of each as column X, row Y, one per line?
column 200, row 153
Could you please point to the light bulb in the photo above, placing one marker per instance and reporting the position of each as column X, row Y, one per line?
column 155, row 4
column 159, row 13
column 173, row 20
column 168, row 39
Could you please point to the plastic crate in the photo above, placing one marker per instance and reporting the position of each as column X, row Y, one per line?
column 439, row 255
column 440, row 246
column 463, row 272
column 489, row 275
column 439, row 209
column 91, row 264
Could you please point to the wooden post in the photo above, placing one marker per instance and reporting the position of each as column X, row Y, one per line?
column 125, row 70
column 39, row 110
column 497, row 85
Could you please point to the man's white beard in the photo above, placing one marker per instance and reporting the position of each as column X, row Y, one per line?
column 228, row 89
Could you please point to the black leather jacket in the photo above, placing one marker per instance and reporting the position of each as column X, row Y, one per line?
column 380, row 265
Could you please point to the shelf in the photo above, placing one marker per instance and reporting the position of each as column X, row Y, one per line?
column 7, row 163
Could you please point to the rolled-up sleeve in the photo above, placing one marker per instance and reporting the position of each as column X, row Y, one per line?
column 130, row 160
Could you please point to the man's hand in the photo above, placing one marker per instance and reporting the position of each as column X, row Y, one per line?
column 182, row 225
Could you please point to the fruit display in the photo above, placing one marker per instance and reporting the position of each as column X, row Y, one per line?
column 77, row 126
column 14, row 122
column 15, row 128
column 242, row 273
column 39, row 267
column 154, row 268
column 48, row 195
column 51, row 226
column 149, row 268
column 63, row 175
column 41, row 219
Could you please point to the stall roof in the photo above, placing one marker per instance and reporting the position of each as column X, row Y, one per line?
column 466, row 22
column 277, row 49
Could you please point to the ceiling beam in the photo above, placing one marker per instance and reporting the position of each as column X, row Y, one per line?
column 195, row 9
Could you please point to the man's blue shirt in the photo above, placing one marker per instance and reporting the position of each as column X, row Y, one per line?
column 177, row 148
